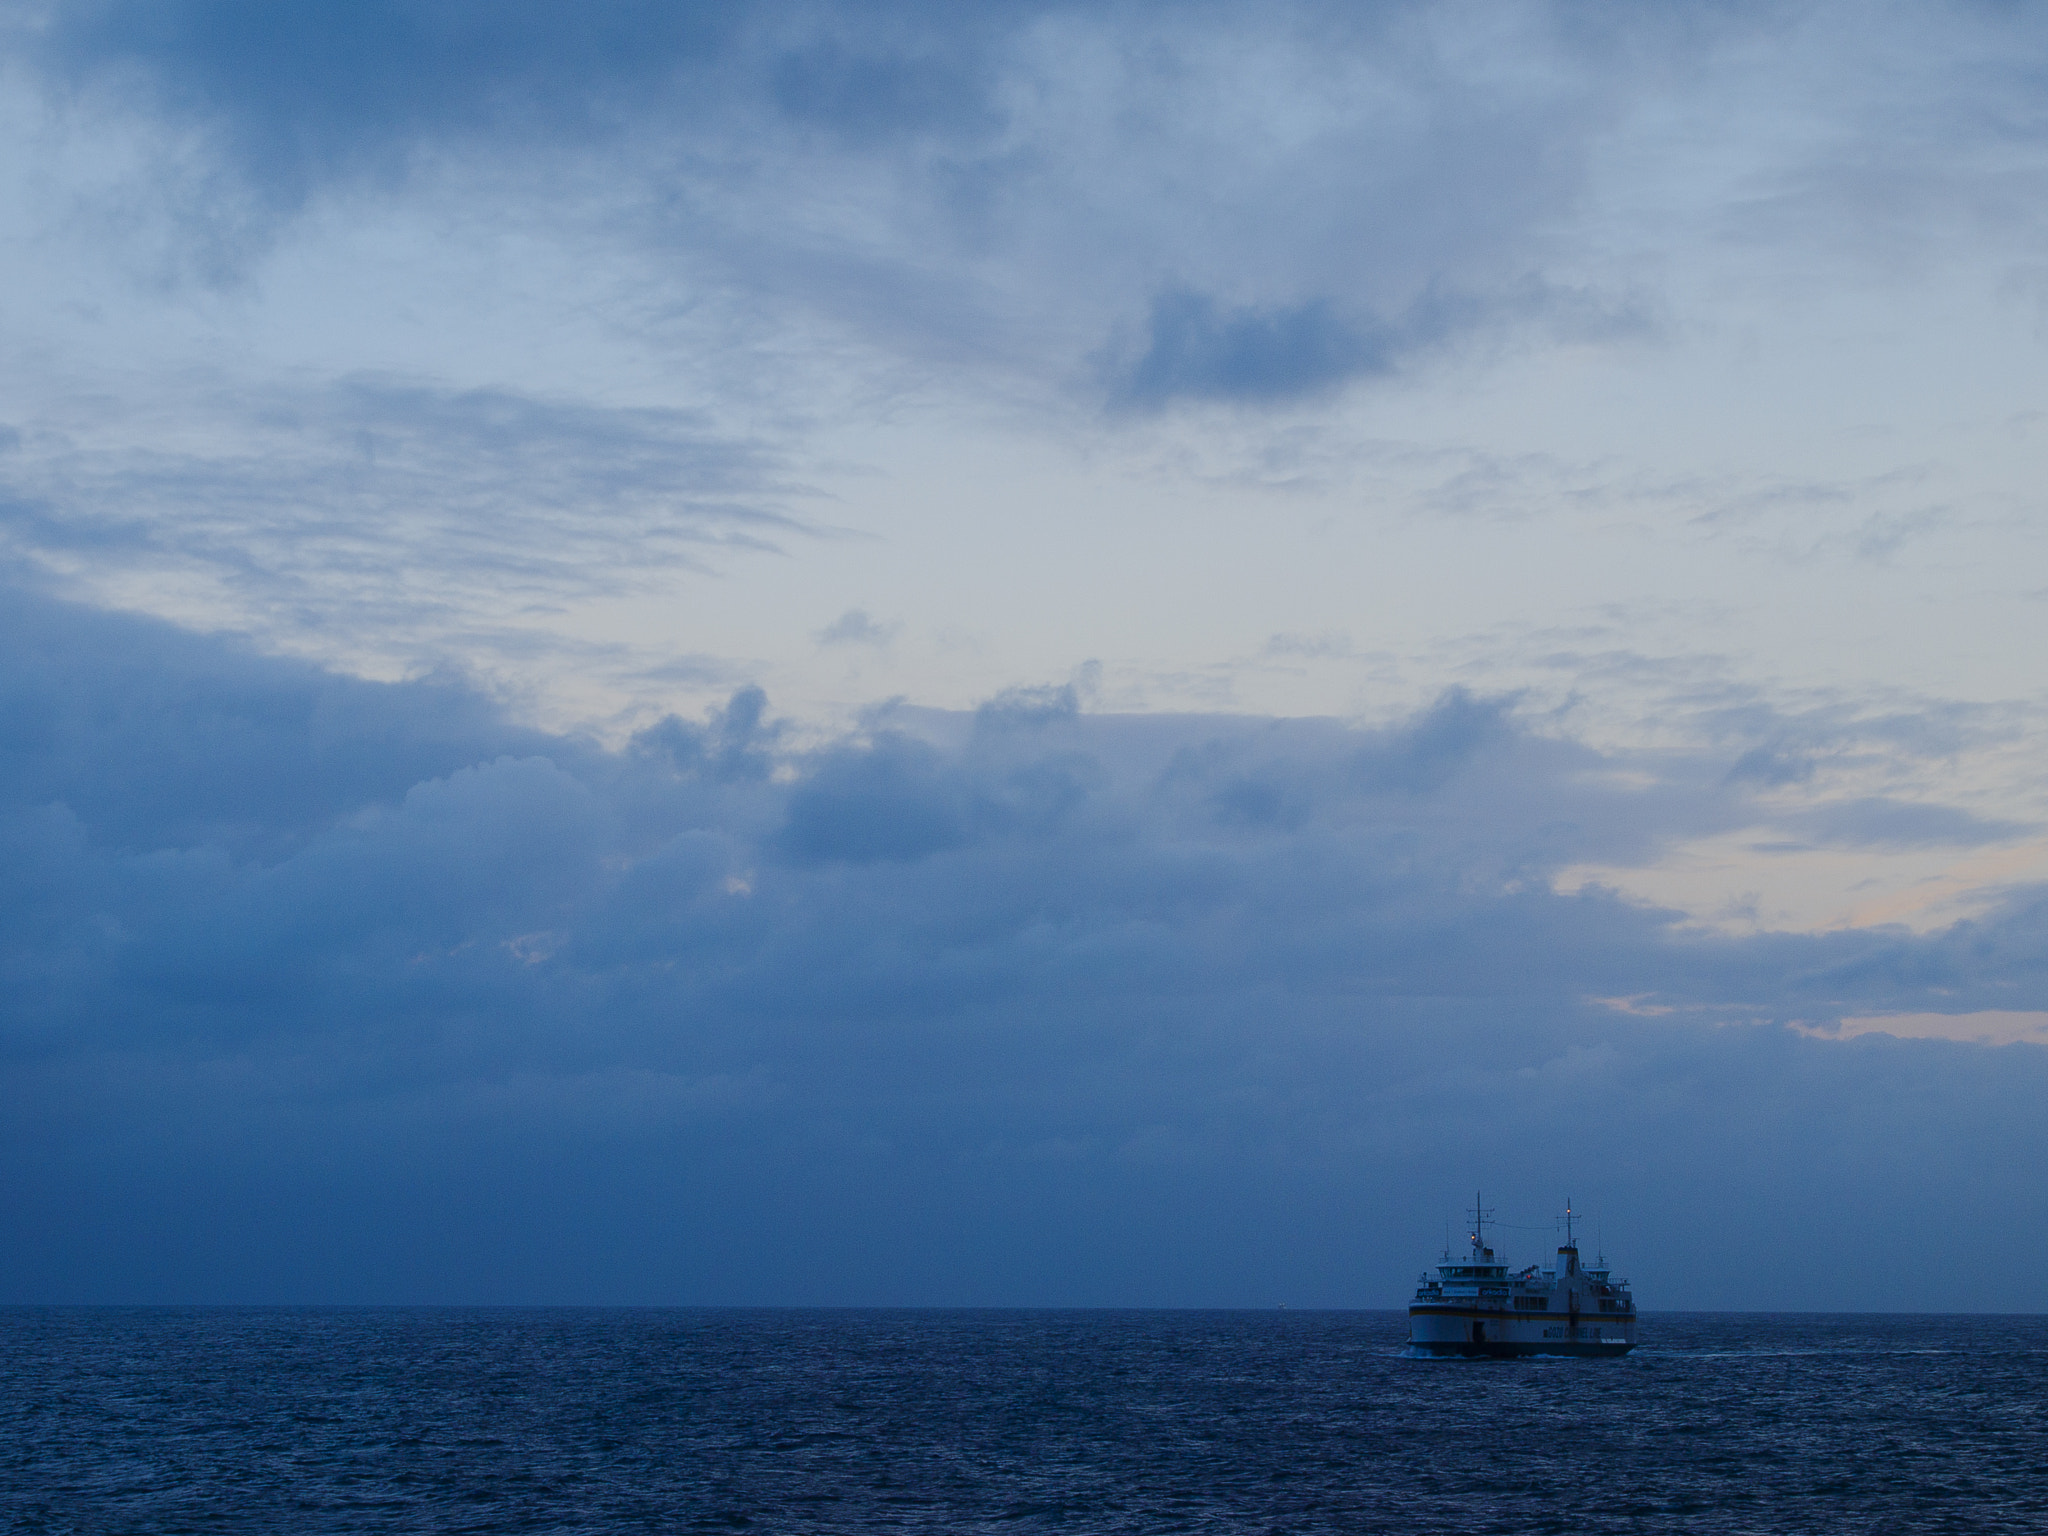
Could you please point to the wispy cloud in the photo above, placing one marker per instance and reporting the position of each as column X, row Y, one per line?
column 392, row 504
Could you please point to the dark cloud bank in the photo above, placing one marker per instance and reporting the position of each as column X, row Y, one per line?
column 323, row 989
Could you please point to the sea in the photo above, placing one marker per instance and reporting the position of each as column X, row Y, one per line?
column 618, row 1420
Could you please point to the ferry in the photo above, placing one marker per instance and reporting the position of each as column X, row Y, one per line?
column 1474, row 1307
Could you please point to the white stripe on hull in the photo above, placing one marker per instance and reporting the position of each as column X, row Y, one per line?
column 1474, row 1331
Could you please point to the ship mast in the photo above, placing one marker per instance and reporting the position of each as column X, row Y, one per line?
column 1479, row 1216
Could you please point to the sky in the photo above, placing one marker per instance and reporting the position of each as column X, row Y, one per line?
column 1021, row 653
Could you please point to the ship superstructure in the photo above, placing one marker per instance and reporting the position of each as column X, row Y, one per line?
column 1475, row 1306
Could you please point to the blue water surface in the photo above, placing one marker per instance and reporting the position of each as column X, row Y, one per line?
column 604, row 1420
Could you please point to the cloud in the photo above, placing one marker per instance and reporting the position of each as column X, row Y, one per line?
column 1771, row 766
column 1885, row 823
column 890, row 800
column 1986, row 1027
column 150, row 737
column 326, row 88
column 397, row 507
column 722, row 1015
column 928, row 180
column 854, row 627
column 1028, row 708
column 865, row 95
column 738, row 742
column 1272, row 202
column 1195, row 349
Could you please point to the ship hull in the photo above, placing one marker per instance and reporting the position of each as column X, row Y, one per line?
column 1437, row 1350
column 1473, row 1334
